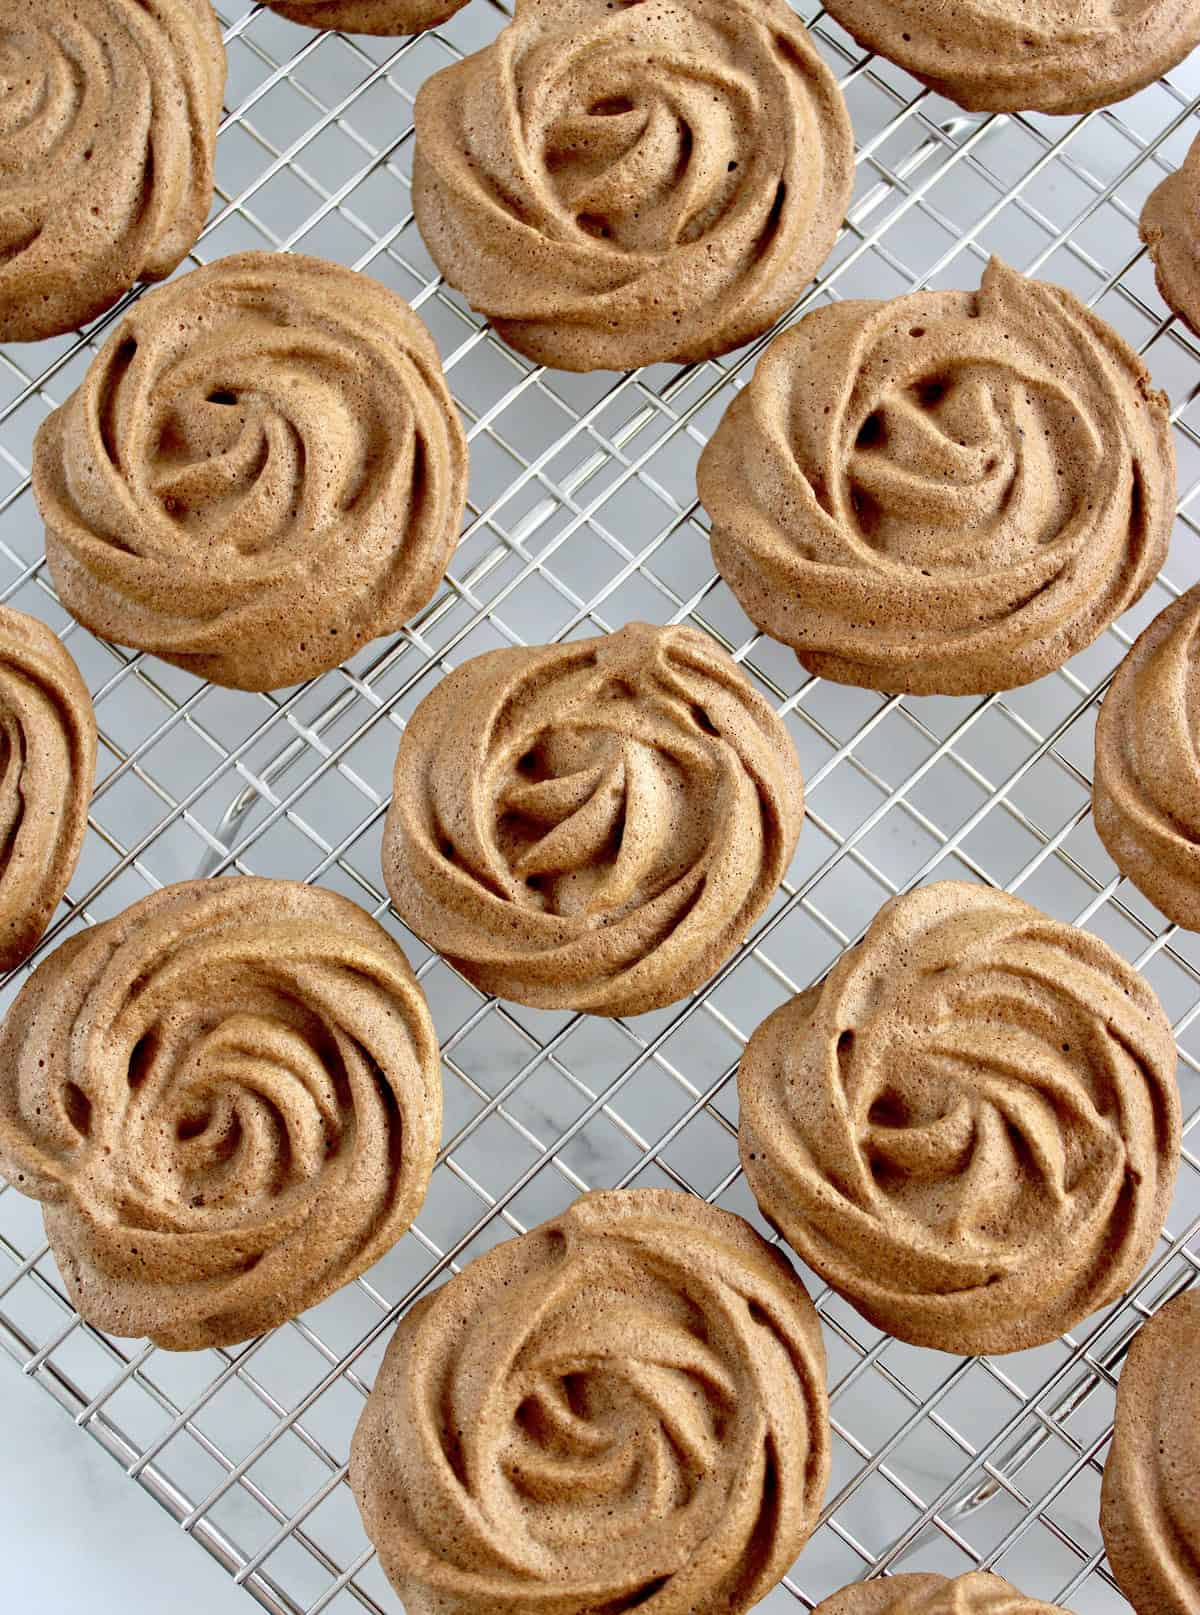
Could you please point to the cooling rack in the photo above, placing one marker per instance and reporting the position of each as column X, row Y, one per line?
column 583, row 516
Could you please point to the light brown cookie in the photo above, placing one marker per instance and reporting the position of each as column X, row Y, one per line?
column 1058, row 56
column 368, row 16
column 1146, row 798
column 624, row 1409
column 1150, row 1501
column 108, row 123
column 1170, row 227
column 47, row 768
column 594, row 825
column 228, row 1099
column 262, row 470
column 971, row 1127
column 952, row 492
column 614, row 184
column 977, row 1593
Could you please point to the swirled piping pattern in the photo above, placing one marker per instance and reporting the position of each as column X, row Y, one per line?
column 1146, row 798
column 1169, row 226
column 593, row 825
column 979, row 1592
column 952, row 492
column 971, row 1127
column 1027, row 55
column 108, row 123
column 47, row 765
column 624, row 1409
column 1150, row 1499
column 228, row 1100
column 261, row 471
column 618, row 183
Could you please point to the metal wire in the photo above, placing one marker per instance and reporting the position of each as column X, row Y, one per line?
column 584, row 516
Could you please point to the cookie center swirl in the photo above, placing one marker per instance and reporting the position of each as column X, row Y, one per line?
column 964, row 467
column 589, row 821
column 645, row 151
column 260, row 447
column 44, row 86
column 592, row 1424
column 966, row 1136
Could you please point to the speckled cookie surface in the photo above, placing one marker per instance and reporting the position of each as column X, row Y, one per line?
column 594, row 825
column 1150, row 1501
column 262, row 470
column 977, row 1593
column 1059, row 56
column 952, row 492
column 971, row 1127
column 47, row 767
column 368, row 16
column 108, row 123
column 1170, row 227
column 615, row 184
column 228, row 1099
column 1146, row 797
column 623, row 1409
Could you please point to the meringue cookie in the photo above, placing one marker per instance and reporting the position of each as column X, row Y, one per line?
column 262, row 470
column 108, row 124
column 368, row 16
column 47, row 766
column 624, row 1409
column 950, row 493
column 228, row 1099
column 971, row 1127
column 615, row 184
column 1169, row 228
column 1150, row 1500
column 1146, row 797
column 593, row 825
column 1027, row 55
column 977, row 1593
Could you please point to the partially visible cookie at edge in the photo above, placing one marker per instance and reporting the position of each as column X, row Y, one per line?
column 1146, row 792
column 107, row 135
column 48, row 751
column 1027, row 55
column 979, row 1592
column 1170, row 227
column 1150, row 1499
column 391, row 17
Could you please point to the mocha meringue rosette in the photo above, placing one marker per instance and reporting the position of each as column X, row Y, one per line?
column 622, row 1410
column 262, row 470
column 593, row 825
column 615, row 183
column 47, row 768
column 1027, row 55
column 108, row 125
column 952, row 492
column 228, row 1100
column 971, row 1127
column 1150, row 1500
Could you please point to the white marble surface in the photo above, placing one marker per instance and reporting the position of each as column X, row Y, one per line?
column 75, row 1534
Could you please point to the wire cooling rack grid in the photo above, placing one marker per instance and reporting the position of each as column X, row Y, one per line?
column 584, row 516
